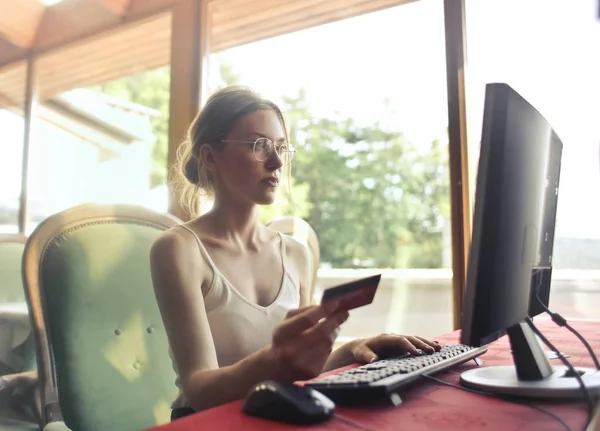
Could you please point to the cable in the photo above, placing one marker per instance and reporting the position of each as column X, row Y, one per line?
column 351, row 423
column 501, row 397
column 564, row 360
column 561, row 321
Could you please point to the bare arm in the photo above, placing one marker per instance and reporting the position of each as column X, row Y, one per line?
column 178, row 272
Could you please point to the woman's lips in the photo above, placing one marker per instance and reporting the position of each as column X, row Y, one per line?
column 273, row 182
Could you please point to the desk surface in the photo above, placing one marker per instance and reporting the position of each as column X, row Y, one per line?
column 431, row 406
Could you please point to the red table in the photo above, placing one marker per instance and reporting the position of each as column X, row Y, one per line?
column 431, row 406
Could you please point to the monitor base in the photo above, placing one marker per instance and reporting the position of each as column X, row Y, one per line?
column 502, row 380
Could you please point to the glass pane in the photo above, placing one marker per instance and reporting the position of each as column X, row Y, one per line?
column 557, row 71
column 102, row 140
column 12, row 95
column 371, row 171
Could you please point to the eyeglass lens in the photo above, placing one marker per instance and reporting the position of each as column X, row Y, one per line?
column 263, row 147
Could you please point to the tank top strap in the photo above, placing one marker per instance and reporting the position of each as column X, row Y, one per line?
column 289, row 283
column 282, row 251
column 203, row 250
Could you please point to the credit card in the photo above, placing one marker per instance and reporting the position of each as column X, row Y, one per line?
column 354, row 294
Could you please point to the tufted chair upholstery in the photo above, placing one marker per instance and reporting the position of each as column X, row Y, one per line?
column 102, row 350
column 301, row 231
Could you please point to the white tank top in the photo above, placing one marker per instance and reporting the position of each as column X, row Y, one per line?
column 240, row 327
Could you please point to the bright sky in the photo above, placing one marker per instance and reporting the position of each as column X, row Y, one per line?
column 546, row 49
column 351, row 66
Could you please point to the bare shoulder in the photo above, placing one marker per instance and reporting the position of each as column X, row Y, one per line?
column 295, row 250
column 175, row 260
column 174, row 239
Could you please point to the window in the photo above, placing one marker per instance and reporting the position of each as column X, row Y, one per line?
column 101, row 130
column 365, row 101
column 12, row 95
column 547, row 51
column 148, row 91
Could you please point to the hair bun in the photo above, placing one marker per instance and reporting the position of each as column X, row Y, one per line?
column 191, row 170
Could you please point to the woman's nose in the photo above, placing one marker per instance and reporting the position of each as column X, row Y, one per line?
column 274, row 161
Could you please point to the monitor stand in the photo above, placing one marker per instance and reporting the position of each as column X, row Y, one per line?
column 550, row 354
column 532, row 376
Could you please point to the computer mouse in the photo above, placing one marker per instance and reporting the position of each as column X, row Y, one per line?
column 287, row 402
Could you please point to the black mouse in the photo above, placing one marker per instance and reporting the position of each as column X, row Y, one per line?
column 287, row 402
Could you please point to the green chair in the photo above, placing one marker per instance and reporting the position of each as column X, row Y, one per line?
column 302, row 232
column 103, row 358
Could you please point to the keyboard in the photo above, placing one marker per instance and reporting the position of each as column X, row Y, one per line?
column 382, row 379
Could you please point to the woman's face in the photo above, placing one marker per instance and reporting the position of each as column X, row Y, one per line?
column 239, row 174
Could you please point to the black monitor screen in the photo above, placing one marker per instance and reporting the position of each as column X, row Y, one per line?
column 514, row 217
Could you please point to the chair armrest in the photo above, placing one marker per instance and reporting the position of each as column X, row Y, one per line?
column 56, row 426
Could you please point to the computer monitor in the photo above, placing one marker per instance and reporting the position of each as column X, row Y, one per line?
column 541, row 276
column 513, row 231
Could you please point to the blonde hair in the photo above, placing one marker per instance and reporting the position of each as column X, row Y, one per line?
column 212, row 124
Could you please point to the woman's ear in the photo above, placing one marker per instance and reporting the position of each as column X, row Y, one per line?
column 207, row 157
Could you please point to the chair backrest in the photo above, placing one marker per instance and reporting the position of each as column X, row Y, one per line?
column 103, row 358
column 301, row 231
column 11, row 256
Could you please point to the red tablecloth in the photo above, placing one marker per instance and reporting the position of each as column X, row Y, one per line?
column 431, row 406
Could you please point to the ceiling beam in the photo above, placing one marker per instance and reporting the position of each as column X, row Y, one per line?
column 6, row 102
column 142, row 8
column 117, row 7
column 19, row 20
column 77, row 20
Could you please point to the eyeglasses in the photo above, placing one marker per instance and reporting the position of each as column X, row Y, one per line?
column 263, row 148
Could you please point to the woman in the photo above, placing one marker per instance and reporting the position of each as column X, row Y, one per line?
column 233, row 294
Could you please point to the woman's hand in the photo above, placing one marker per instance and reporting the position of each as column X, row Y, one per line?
column 303, row 341
column 369, row 350
column 385, row 345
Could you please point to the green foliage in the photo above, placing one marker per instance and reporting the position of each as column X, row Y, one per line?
column 227, row 77
column 150, row 88
column 377, row 199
